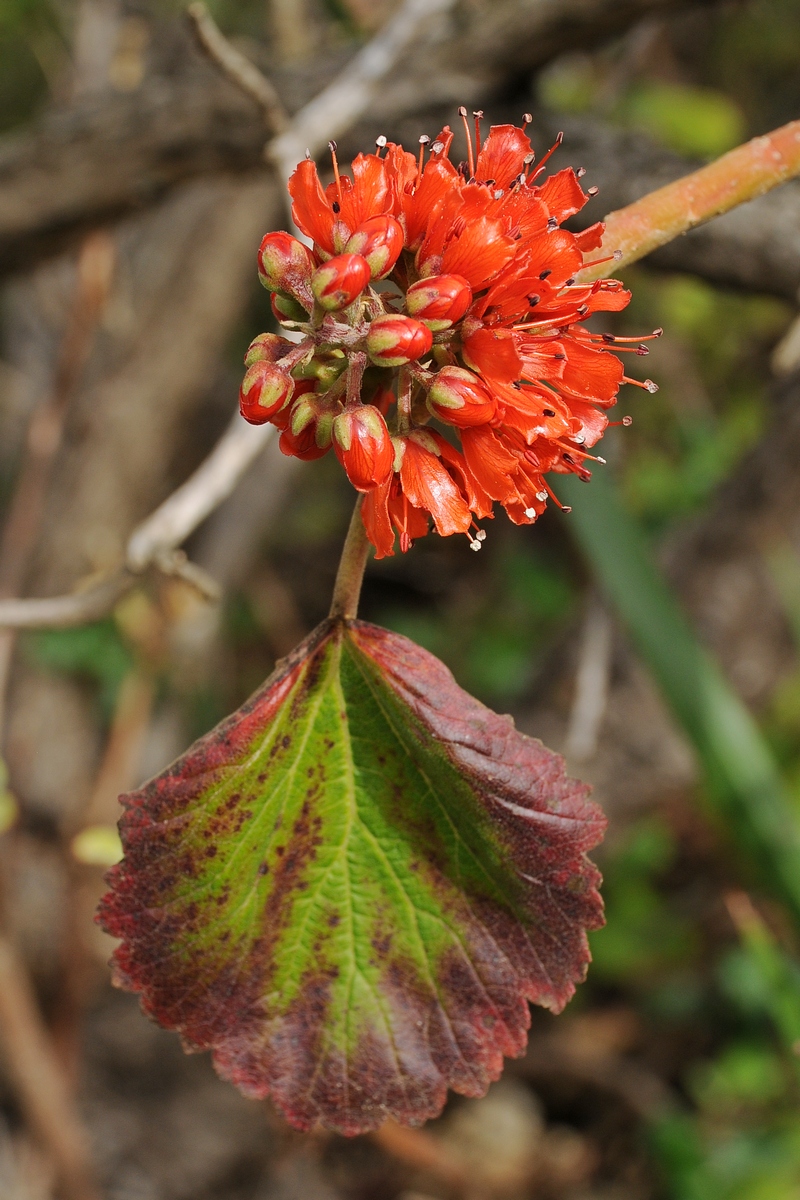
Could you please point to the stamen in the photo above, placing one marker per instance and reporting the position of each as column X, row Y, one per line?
column 424, row 140
column 626, row 421
column 648, row 337
column 380, row 144
column 530, row 513
column 596, row 262
column 647, row 384
column 541, row 497
column 477, row 115
column 580, row 172
column 332, row 148
column 526, row 120
column 552, row 150
column 462, row 112
column 592, row 191
column 565, row 508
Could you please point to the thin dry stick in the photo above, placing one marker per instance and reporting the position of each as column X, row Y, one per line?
column 591, row 685
column 39, row 1080
column 238, row 67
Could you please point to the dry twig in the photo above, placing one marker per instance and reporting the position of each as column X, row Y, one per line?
column 39, row 1080
column 238, row 67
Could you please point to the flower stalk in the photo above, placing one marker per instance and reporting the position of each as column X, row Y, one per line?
column 350, row 574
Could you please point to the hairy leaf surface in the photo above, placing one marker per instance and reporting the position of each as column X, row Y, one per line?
column 351, row 889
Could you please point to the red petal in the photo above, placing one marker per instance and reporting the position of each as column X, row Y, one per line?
column 375, row 515
column 311, row 208
column 563, row 194
column 593, row 422
column 371, row 194
column 591, row 374
column 592, row 237
column 428, row 485
column 502, row 155
column 493, row 353
column 489, row 462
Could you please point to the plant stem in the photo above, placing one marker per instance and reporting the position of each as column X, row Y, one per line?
column 355, row 552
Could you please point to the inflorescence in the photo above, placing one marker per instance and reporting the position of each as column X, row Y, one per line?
column 443, row 293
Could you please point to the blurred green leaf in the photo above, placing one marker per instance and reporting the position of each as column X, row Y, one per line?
column 744, row 782
column 692, row 120
column 95, row 652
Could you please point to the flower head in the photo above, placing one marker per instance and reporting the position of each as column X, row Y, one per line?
column 479, row 328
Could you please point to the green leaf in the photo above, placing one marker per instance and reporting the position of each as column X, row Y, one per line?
column 745, row 783
column 351, row 888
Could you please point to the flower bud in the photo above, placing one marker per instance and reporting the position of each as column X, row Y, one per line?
column 439, row 301
column 460, row 398
column 308, row 434
column 362, row 444
column 323, row 368
column 285, row 265
column 394, row 340
column 265, row 390
column 286, row 310
column 267, row 347
column 340, row 281
column 379, row 240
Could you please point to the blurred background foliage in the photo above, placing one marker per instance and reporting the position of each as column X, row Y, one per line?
column 717, row 993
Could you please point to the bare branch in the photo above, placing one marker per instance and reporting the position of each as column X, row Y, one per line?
column 188, row 507
column 64, row 612
column 238, row 67
column 346, row 100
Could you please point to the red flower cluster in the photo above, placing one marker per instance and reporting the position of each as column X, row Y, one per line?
column 479, row 324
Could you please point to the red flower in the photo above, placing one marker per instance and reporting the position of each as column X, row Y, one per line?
column 490, row 283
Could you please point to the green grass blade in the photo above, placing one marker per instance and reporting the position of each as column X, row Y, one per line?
column 745, row 784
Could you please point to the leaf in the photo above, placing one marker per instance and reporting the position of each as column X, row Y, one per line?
column 350, row 889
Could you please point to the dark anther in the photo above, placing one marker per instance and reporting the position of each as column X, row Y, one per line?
column 462, row 112
column 533, row 300
column 592, row 191
column 544, row 274
column 516, row 383
column 548, row 412
column 569, row 282
column 332, row 146
column 552, row 223
column 609, row 337
column 336, row 206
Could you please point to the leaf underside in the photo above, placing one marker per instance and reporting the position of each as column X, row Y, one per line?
column 351, row 888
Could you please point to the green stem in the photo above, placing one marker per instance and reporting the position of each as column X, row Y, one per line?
column 349, row 577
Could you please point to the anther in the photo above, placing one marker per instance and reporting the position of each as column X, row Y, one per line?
column 530, row 513
column 336, row 206
column 592, row 191
column 552, row 223
column 380, row 143
column 544, row 274
column 609, row 337
column 437, row 147
column 423, row 139
column 548, row 412
column 617, row 255
column 580, row 172
column 541, row 497
column 480, row 536
column 526, row 120
column 475, row 544
column 569, row 282
column 533, row 300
